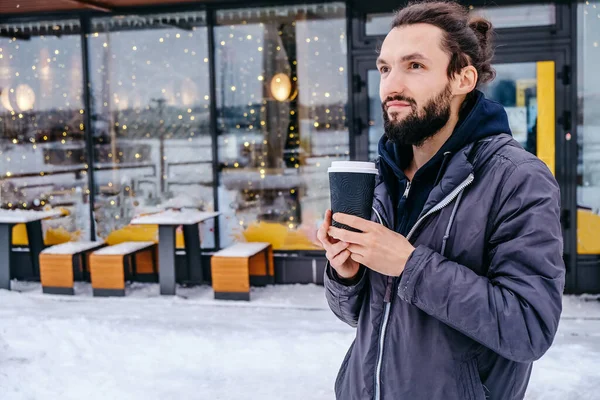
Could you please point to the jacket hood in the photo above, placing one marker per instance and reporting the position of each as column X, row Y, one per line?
column 479, row 118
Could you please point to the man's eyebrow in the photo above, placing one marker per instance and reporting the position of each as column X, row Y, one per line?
column 414, row 56
column 408, row 57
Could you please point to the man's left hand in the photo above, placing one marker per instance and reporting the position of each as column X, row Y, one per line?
column 376, row 247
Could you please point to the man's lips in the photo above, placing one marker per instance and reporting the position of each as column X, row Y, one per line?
column 397, row 104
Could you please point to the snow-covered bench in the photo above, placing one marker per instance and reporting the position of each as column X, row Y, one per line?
column 236, row 267
column 62, row 264
column 111, row 266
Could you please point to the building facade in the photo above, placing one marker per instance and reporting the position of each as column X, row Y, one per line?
column 114, row 109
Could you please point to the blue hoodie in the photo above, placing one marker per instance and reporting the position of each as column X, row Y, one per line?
column 478, row 119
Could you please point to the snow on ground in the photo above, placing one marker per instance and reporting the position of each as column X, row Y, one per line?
column 284, row 344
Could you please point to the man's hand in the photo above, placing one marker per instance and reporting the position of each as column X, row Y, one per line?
column 377, row 247
column 336, row 251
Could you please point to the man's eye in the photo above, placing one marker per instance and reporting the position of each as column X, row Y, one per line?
column 416, row 66
column 384, row 70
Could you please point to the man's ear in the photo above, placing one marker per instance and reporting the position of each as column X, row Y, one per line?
column 465, row 81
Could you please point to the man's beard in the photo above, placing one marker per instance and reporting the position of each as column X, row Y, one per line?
column 417, row 126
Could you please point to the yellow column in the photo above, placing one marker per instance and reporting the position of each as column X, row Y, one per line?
column 546, row 123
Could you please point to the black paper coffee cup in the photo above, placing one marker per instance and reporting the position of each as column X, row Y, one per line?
column 351, row 186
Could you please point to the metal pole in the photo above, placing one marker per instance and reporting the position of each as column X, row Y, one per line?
column 89, row 136
column 210, row 20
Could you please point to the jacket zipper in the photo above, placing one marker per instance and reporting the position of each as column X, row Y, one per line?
column 405, row 195
column 388, row 299
column 442, row 204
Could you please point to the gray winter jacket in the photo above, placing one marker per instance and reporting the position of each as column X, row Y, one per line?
column 480, row 297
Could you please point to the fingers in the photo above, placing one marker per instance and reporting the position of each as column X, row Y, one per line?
column 345, row 235
column 340, row 259
column 357, row 249
column 338, row 247
column 327, row 219
column 335, row 249
column 354, row 222
column 326, row 240
column 358, row 258
column 323, row 236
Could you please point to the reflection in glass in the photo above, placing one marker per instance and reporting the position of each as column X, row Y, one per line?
column 588, row 131
column 515, row 87
column 43, row 160
column 281, row 99
column 150, row 101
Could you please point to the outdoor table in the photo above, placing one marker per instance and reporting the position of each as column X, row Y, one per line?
column 167, row 222
column 32, row 220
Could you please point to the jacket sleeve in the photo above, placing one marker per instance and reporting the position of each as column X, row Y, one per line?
column 515, row 309
column 345, row 300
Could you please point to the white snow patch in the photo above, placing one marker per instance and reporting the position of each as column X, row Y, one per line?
column 72, row 247
column 123, row 248
column 172, row 217
column 242, row 249
column 24, row 216
column 284, row 344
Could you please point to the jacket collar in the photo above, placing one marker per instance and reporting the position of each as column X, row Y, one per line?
column 466, row 161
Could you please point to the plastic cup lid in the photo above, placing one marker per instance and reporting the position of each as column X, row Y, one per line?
column 360, row 167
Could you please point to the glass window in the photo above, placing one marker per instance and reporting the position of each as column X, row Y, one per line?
column 502, row 17
column 150, row 100
column 588, row 131
column 378, row 24
column 281, row 98
column 43, row 160
column 518, row 16
column 515, row 87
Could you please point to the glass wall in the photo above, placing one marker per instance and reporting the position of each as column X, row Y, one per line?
column 43, row 160
column 281, row 79
column 150, row 110
column 588, row 129
column 281, row 99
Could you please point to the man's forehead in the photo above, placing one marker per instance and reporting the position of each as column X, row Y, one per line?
column 419, row 39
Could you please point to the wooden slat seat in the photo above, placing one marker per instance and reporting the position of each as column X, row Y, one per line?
column 63, row 264
column 237, row 267
column 111, row 266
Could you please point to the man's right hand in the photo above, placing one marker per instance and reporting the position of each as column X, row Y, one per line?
column 337, row 252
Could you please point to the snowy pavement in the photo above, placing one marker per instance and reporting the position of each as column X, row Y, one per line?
column 285, row 344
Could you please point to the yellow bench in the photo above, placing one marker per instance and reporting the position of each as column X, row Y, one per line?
column 233, row 269
column 65, row 263
column 111, row 266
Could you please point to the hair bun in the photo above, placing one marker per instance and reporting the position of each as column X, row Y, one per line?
column 483, row 30
column 481, row 26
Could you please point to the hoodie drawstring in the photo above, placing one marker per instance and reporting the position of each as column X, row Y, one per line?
column 447, row 234
column 442, row 168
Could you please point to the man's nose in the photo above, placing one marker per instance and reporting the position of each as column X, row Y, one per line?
column 392, row 85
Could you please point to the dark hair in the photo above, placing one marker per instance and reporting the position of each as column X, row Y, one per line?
column 467, row 39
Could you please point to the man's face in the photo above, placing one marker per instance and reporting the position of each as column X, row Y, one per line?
column 415, row 90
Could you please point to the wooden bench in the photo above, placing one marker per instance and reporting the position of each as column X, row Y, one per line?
column 235, row 268
column 63, row 264
column 111, row 266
